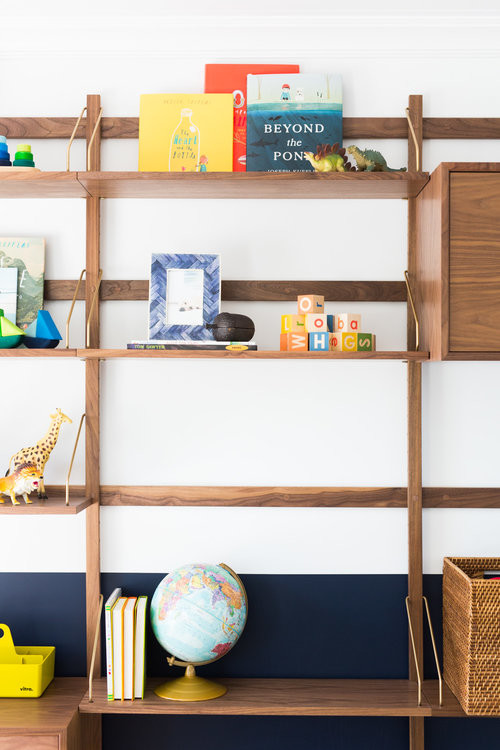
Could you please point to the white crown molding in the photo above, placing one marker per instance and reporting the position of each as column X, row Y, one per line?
column 256, row 35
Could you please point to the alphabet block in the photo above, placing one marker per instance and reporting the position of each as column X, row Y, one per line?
column 316, row 322
column 293, row 342
column 310, row 303
column 318, row 342
column 366, row 342
column 335, row 342
column 347, row 322
column 349, row 341
column 291, row 323
column 330, row 323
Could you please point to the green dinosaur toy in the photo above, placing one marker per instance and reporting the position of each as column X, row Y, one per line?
column 370, row 161
column 328, row 158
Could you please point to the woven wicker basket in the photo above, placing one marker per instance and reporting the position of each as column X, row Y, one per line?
column 471, row 634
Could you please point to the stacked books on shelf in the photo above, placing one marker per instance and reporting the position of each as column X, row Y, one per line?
column 125, row 623
column 269, row 118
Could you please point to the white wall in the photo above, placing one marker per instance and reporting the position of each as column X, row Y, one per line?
column 301, row 423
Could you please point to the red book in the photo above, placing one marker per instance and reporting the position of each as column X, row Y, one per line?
column 232, row 79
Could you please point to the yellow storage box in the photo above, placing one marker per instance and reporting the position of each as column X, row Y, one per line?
column 25, row 671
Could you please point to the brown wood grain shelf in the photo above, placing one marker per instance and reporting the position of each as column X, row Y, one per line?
column 450, row 707
column 49, row 713
column 259, row 354
column 295, row 497
column 29, row 184
column 253, row 184
column 277, row 697
column 54, row 505
column 24, row 352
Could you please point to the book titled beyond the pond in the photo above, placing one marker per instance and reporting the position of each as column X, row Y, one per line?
column 289, row 114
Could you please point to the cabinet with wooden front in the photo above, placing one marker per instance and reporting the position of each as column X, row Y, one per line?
column 457, row 263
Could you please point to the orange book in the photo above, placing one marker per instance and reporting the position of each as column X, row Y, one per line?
column 232, row 79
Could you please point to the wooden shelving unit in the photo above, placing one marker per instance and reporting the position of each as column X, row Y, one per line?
column 259, row 354
column 277, row 697
column 53, row 506
column 244, row 697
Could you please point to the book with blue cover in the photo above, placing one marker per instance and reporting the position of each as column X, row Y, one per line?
column 288, row 114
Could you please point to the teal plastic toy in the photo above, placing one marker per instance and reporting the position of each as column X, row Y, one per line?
column 4, row 153
column 23, row 156
column 10, row 334
column 42, row 333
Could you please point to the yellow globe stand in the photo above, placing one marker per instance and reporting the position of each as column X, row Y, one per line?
column 190, row 687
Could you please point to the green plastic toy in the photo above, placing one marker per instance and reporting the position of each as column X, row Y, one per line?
column 23, row 156
column 10, row 334
column 370, row 161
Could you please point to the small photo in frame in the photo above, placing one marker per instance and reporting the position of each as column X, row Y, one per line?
column 184, row 295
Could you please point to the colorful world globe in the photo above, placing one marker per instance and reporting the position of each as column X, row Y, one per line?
column 198, row 612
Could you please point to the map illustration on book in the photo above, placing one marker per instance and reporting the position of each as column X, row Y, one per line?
column 186, row 133
column 288, row 115
column 27, row 254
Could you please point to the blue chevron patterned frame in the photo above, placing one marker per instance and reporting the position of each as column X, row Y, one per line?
column 159, row 328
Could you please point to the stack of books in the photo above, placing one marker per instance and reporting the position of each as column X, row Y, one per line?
column 202, row 344
column 125, row 622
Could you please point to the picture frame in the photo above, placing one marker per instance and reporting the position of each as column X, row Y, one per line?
column 184, row 295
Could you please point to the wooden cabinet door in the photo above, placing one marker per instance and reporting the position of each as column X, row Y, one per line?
column 29, row 742
column 474, row 262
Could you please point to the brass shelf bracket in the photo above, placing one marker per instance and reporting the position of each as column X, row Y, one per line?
column 94, row 648
column 414, row 136
column 73, row 457
column 414, row 649
column 92, row 305
column 73, row 134
column 415, row 316
column 68, row 319
column 89, row 147
column 431, row 631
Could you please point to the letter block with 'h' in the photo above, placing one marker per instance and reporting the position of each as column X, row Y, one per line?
column 318, row 342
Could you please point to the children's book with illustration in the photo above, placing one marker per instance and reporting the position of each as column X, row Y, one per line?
column 186, row 133
column 27, row 255
column 232, row 79
column 288, row 115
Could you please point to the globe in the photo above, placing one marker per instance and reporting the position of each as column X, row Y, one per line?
column 198, row 612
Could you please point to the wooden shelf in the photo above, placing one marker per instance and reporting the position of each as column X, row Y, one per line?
column 24, row 352
column 253, row 184
column 260, row 354
column 55, row 505
column 277, row 697
column 49, row 713
column 30, row 184
column 450, row 707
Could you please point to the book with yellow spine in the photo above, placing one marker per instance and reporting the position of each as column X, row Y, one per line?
column 186, row 133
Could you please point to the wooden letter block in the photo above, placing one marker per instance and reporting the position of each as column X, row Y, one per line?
column 291, row 323
column 347, row 322
column 349, row 342
column 283, row 342
column 295, row 342
column 366, row 342
column 311, row 303
column 335, row 342
column 316, row 322
column 330, row 323
column 318, row 342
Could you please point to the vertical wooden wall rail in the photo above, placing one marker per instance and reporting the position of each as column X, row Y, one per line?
column 92, row 411
column 415, row 584
column 92, row 388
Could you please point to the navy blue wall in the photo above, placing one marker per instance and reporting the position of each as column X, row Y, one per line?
column 298, row 626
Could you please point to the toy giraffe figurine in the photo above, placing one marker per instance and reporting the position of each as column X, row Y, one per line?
column 39, row 453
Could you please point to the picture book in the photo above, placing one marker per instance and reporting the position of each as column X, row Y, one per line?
column 232, row 79
column 140, row 647
column 109, row 640
column 8, row 293
column 186, row 133
column 288, row 115
column 27, row 254
column 128, row 648
column 117, row 638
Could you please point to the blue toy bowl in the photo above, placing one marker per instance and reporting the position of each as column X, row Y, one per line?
column 33, row 342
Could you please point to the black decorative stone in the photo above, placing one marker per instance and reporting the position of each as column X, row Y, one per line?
column 232, row 327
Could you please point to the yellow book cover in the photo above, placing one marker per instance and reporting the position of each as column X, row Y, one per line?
column 186, row 133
